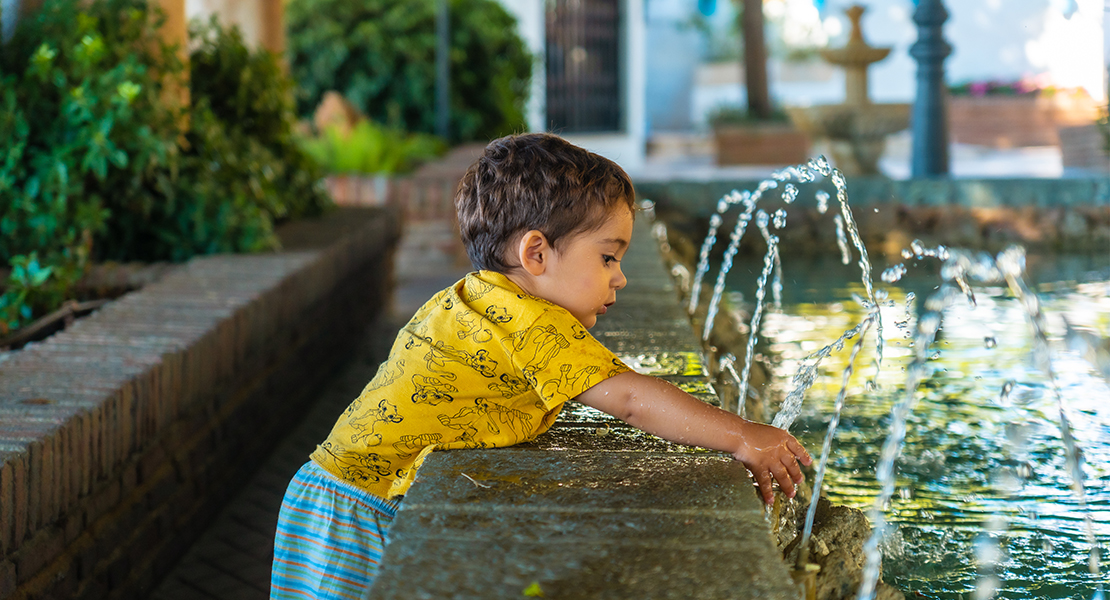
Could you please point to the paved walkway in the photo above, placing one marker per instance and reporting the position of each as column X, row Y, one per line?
column 231, row 560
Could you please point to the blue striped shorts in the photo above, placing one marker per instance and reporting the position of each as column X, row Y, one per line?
column 330, row 538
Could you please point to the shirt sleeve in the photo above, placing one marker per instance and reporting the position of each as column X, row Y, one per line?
column 559, row 358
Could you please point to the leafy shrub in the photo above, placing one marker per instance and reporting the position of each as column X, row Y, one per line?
column 94, row 165
column 370, row 148
column 380, row 55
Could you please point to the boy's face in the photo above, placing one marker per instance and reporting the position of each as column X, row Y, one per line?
column 585, row 274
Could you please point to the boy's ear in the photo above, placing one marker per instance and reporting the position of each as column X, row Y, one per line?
column 533, row 252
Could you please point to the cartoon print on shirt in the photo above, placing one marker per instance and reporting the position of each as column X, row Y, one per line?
column 498, row 314
column 472, row 327
column 415, row 442
column 577, row 331
column 366, row 421
column 565, row 387
column 492, row 415
column 474, row 289
column 439, row 353
column 387, row 374
column 536, row 346
column 430, row 390
column 618, row 368
column 510, row 386
column 359, row 469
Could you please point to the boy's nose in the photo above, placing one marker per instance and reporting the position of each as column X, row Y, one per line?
column 621, row 280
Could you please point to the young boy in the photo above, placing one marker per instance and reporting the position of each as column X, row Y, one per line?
column 490, row 361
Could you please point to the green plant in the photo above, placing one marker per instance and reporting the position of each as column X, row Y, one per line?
column 95, row 164
column 380, row 54
column 82, row 131
column 370, row 148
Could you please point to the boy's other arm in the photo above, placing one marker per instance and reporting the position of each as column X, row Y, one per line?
column 660, row 408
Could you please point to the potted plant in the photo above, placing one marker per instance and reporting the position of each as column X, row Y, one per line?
column 742, row 139
column 362, row 159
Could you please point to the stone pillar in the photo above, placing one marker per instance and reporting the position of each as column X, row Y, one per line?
column 272, row 15
column 929, row 118
column 175, row 32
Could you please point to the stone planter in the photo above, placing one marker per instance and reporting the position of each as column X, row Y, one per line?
column 1014, row 121
column 359, row 190
column 760, row 144
column 1084, row 147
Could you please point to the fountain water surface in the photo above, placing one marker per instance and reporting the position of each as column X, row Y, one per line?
column 959, row 271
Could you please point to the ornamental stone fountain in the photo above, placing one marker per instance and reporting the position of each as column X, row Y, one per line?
column 855, row 131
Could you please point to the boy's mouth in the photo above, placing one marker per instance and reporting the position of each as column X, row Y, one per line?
column 605, row 308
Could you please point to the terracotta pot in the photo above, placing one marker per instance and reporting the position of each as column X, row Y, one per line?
column 760, row 144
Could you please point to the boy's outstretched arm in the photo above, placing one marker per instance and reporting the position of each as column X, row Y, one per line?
column 660, row 408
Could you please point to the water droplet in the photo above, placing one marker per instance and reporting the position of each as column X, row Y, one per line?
column 715, row 221
column 905, row 493
column 876, row 210
column 780, row 218
column 822, row 201
column 935, row 356
column 1006, row 389
column 918, row 247
column 722, row 205
column 990, row 342
column 894, row 274
column 789, row 193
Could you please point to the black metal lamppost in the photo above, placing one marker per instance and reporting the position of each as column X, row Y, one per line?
column 929, row 118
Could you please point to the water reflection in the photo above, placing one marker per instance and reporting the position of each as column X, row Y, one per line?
column 982, row 486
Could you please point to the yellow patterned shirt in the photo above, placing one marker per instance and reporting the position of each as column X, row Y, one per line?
column 481, row 365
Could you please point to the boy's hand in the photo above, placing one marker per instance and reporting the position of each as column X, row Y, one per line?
column 771, row 452
column 659, row 407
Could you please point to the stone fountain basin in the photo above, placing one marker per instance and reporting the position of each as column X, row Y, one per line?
column 850, row 121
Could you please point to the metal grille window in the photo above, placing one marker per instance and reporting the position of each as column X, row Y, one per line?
column 583, row 66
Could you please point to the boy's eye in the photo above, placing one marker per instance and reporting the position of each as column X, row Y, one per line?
column 609, row 259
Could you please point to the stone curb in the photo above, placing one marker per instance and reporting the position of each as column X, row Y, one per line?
column 593, row 508
column 122, row 434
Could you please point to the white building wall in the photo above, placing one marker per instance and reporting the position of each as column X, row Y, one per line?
column 530, row 26
column 992, row 39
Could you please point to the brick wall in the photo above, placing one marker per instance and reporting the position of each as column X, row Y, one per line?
column 123, row 435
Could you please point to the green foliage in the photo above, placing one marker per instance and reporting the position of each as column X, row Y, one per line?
column 380, row 55
column 370, row 148
column 95, row 165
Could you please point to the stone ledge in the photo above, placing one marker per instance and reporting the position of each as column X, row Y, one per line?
column 593, row 508
column 1070, row 214
column 120, row 436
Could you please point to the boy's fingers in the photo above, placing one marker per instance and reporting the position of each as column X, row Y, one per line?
column 783, row 477
column 793, row 468
column 763, row 478
column 799, row 451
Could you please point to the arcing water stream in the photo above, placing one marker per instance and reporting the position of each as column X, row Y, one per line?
column 959, row 271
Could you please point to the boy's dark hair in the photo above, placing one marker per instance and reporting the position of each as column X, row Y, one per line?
column 535, row 181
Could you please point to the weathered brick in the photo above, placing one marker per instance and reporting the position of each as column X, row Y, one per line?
column 102, row 500
column 38, row 552
column 7, row 578
column 7, row 501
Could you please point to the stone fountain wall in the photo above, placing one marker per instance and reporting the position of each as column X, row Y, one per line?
column 1067, row 215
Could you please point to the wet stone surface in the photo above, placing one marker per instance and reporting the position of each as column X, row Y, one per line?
column 593, row 508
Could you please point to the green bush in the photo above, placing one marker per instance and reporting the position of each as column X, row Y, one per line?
column 96, row 166
column 372, row 149
column 380, row 55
